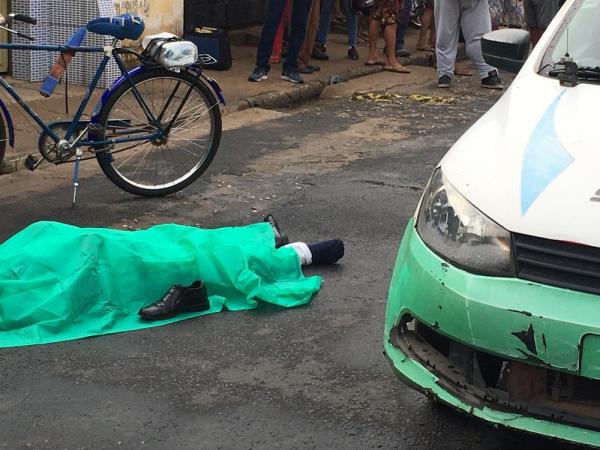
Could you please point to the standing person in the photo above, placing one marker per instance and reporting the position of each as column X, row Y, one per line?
column 306, row 49
column 320, row 49
column 386, row 15
column 538, row 15
column 401, row 30
column 278, row 44
column 473, row 16
column 275, row 9
column 426, row 41
column 506, row 12
column 512, row 13
column 495, row 13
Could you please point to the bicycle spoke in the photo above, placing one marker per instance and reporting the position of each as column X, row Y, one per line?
column 160, row 163
column 185, row 150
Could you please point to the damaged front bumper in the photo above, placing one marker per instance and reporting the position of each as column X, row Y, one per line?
column 511, row 352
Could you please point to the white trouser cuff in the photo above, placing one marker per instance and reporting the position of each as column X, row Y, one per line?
column 303, row 252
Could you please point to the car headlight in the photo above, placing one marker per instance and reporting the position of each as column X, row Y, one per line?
column 457, row 231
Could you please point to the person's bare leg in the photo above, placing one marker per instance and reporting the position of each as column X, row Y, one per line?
column 311, row 33
column 392, row 63
column 373, row 37
column 432, row 34
column 427, row 24
column 536, row 35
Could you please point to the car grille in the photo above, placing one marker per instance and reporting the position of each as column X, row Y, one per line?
column 586, row 390
column 562, row 264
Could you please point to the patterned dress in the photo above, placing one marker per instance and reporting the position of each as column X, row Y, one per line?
column 513, row 14
column 387, row 11
column 496, row 12
column 506, row 12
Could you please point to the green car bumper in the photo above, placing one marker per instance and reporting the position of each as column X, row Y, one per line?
column 538, row 330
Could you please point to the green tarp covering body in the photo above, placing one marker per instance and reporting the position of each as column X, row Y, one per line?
column 59, row 282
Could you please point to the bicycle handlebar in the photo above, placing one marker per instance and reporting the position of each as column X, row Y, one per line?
column 24, row 18
column 5, row 24
column 26, row 36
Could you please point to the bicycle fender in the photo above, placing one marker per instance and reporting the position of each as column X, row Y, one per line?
column 9, row 123
column 108, row 92
column 215, row 87
column 211, row 82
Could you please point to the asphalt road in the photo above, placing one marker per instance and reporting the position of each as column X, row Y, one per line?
column 312, row 377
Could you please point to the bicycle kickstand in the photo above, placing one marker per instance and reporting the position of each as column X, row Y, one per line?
column 78, row 155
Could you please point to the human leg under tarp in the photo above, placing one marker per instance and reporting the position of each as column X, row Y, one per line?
column 194, row 298
column 110, row 274
column 318, row 253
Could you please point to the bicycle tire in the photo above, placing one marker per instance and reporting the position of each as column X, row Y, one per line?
column 2, row 140
column 106, row 160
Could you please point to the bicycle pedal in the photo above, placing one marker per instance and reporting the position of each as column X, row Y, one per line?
column 31, row 163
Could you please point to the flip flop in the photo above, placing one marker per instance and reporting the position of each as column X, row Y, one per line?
column 426, row 49
column 396, row 69
column 378, row 63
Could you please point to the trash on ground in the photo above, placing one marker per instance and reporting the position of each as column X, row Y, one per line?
column 432, row 99
column 376, row 96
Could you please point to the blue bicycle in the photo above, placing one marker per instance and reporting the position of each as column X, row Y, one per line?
column 153, row 133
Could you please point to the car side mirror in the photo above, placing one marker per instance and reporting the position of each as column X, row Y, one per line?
column 506, row 49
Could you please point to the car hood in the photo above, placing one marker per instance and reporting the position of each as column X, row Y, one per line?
column 532, row 163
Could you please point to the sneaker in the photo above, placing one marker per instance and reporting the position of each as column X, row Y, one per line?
column 305, row 70
column 492, row 81
column 402, row 53
column 444, row 81
column 319, row 52
column 352, row 53
column 258, row 75
column 292, row 77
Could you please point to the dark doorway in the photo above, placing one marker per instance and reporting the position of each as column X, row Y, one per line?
column 225, row 14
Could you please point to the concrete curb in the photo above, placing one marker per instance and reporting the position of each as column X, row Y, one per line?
column 12, row 165
column 278, row 99
column 299, row 92
column 313, row 89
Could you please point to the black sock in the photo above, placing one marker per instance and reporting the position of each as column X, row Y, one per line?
column 327, row 252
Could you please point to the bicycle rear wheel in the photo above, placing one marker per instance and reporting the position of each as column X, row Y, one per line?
column 160, row 167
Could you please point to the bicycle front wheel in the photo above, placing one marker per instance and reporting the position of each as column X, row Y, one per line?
column 163, row 166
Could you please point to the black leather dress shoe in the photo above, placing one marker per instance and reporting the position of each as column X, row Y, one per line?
column 281, row 238
column 177, row 300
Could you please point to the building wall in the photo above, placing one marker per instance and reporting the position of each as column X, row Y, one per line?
column 58, row 19
column 159, row 15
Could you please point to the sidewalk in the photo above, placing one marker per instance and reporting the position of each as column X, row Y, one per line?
column 239, row 93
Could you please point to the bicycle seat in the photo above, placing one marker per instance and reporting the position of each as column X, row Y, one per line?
column 124, row 26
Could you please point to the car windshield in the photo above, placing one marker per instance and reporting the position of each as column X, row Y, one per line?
column 578, row 37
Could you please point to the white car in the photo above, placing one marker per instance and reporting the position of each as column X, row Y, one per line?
column 494, row 305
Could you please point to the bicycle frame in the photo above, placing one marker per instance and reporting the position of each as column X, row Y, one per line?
column 109, row 52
